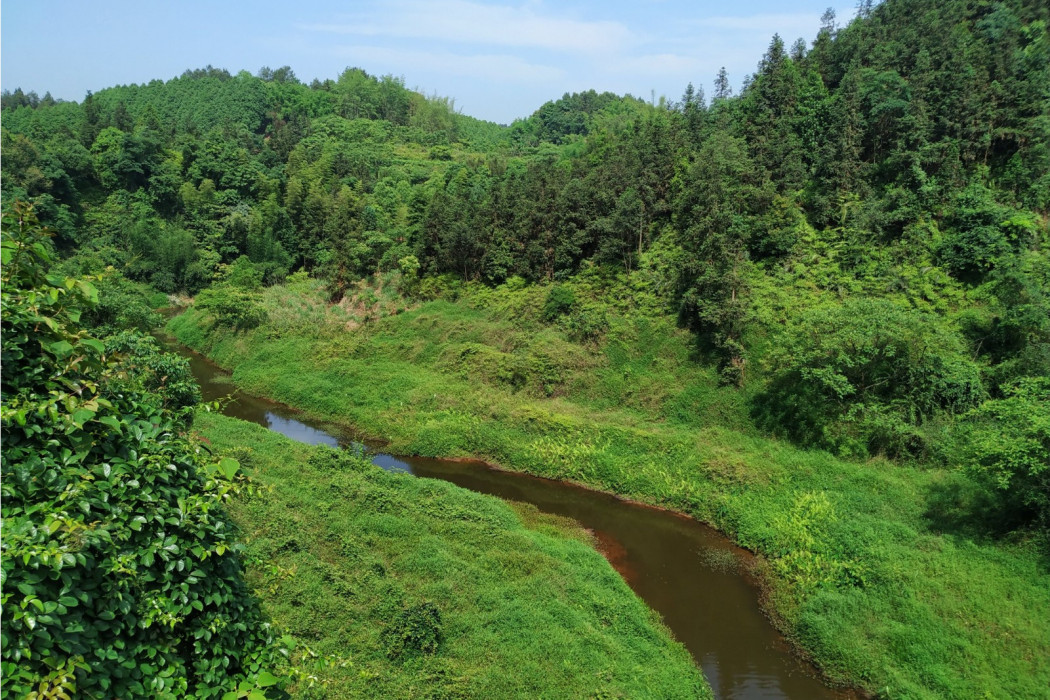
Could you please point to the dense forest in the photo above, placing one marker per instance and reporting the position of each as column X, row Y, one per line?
column 855, row 247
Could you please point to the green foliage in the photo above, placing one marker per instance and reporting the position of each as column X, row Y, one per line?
column 572, row 116
column 1015, row 336
column 864, row 377
column 560, row 301
column 409, row 267
column 442, row 287
column 145, row 369
column 415, row 630
column 244, row 274
column 1006, row 442
column 803, row 554
column 981, row 233
column 721, row 195
column 122, row 304
column 120, row 573
column 231, row 306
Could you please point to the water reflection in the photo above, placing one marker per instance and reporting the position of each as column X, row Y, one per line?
column 391, row 463
column 299, row 431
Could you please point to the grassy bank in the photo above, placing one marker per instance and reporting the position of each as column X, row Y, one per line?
column 875, row 569
column 349, row 559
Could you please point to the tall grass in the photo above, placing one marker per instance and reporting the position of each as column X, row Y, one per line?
column 342, row 553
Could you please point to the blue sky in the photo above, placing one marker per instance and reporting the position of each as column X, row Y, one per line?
column 498, row 60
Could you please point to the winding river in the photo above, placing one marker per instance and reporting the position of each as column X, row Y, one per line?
column 688, row 572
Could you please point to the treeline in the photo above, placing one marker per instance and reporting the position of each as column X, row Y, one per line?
column 858, row 238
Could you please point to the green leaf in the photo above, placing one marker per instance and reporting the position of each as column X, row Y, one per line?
column 62, row 348
column 229, row 467
column 266, row 679
column 82, row 415
column 111, row 421
column 88, row 290
column 95, row 345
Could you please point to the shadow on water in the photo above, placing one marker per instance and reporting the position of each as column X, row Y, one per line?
column 689, row 573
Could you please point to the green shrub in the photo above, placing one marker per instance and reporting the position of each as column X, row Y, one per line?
column 1006, row 443
column 146, row 369
column 445, row 287
column 560, row 301
column 415, row 630
column 861, row 378
column 120, row 573
column 122, row 304
column 981, row 233
column 331, row 459
column 244, row 274
column 586, row 324
column 232, row 307
column 801, row 553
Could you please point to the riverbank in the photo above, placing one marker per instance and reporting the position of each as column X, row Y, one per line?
column 870, row 569
column 343, row 554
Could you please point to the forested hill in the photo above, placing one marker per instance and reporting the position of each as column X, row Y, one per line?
column 858, row 237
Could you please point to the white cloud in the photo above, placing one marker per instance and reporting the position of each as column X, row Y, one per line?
column 525, row 26
column 788, row 25
column 658, row 64
column 495, row 67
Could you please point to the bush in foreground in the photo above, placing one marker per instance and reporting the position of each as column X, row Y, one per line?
column 120, row 574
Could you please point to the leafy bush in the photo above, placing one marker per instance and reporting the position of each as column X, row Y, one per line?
column 119, row 570
column 148, row 370
column 981, row 233
column 121, row 302
column 1017, row 337
column 244, row 274
column 331, row 459
column 863, row 377
column 560, row 301
column 441, row 287
column 415, row 630
column 586, row 324
column 801, row 553
column 488, row 364
column 232, row 307
column 1006, row 443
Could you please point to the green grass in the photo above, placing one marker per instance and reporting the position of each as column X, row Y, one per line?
column 873, row 567
column 337, row 549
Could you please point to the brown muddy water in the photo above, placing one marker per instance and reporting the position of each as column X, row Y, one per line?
column 693, row 576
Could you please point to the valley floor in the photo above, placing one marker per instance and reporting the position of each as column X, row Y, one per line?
column 873, row 568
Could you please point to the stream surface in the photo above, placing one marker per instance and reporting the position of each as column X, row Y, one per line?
column 688, row 572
